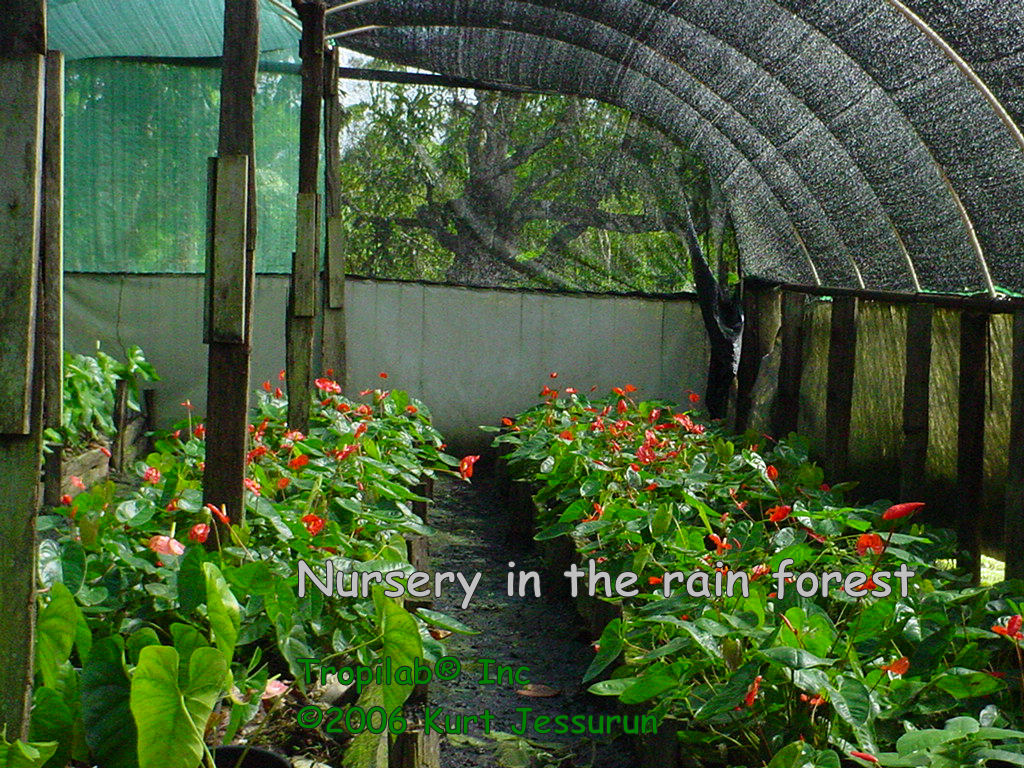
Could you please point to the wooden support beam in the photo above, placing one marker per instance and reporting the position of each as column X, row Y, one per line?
column 786, row 414
column 227, row 283
column 227, row 388
column 1014, row 526
column 970, row 460
column 22, row 72
column 53, row 268
column 762, row 316
column 301, row 320
column 842, row 355
column 117, row 457
column 916, row 382
column 332, row 311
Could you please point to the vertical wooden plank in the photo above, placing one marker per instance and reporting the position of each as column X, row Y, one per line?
column 304, row 263
column 22, row 50
column 842, row 355
column 1014, row 526
column 227, row 389
column 228, row 283
column 121, row 425
column 53, row 267
column 332, row 312
column 786, row 415
column 301, row 321
column 762, row 316
column 970, row 461
column 21, row 115
column 916, row 401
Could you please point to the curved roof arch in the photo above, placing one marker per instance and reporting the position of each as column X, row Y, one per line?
column 867, row 153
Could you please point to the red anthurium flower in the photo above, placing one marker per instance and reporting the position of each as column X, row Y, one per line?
column 266, row 385
column 507, row 422
column 328, row 385
column 1012, row 628
column 906, row 509
column 360, row 431
column 566, row 434
column 654, row 580
column 772, row 472
column 278, row 393
column 779, row 513
column 825, row 487
column 252, row 485
column 814, row 701
column 299, row 461
column 694, row 397
column 466, row 466
column 187, row 405
column 66, row 500
column 199, row 533
column 256, row 453
column 77, row 482
column 411, row 409
column 864, row 756
column 720, row 545
column 870, row 542
column 571, row 390
column 752, row 691
column 622, row 406
column 282, row 483
column 219, row 513
column 382, row 375
column 553, row 375
column 199, row 431
column 105, row 451
column 281, row 375
column 165, row 545
column 151, row 475
column 898, row 667
column 314, row 524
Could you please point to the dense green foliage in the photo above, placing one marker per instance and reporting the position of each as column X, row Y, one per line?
column 90, row 385
column 930, row 678
column 156, row 613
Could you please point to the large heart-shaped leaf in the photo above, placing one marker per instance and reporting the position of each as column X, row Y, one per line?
column 170, row 720
column 56, row 630
column 222, row 610
column 401, row 643
column 608, row 650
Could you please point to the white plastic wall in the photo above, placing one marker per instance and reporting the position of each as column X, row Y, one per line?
column 471, row 355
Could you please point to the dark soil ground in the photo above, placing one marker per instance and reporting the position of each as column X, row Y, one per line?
column 544, row 634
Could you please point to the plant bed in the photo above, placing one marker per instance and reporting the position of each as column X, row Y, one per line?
column 829, row 680
column 151, row 597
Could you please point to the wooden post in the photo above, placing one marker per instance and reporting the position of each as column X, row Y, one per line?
column 53, row 268
column 117, row 458
column 332, row 312
column 22, row 52
column 762, row 316
column 302, row 293
column 915, row 401
column 970, row 459
column 786, row 416
column 227, row 389
column 1014, row 526
column 842, row 355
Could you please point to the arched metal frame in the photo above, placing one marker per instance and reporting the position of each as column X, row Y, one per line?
column 861, row 143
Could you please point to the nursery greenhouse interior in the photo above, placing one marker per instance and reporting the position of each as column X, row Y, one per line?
column 513, row 383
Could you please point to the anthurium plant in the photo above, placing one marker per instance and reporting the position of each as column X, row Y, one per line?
column 159, row 628
column 769, row 674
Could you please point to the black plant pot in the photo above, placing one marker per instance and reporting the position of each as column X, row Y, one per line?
column 256, row 757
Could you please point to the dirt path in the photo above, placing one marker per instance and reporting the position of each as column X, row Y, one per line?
column 544, row 634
